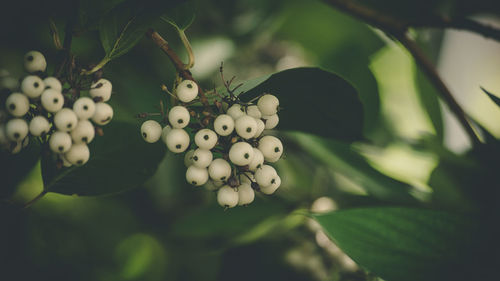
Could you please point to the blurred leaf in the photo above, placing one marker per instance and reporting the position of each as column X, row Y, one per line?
column 494, row 98
column 181, row 16
column 403, row 244
column 315, row 101
column 90, row 12
column 119, row 160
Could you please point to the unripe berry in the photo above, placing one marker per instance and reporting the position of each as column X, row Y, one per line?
column 257, row 160
column 196, row 176
column 84, row 132
column 32, row 86
column 271, row 188
column 187, row 91
column 202, row 158
column 84, row 108
column 271, row 121
column 271, row 147
column 268, row 104
column 245, row 126
column 224, row 125
column 16, row 129
column 39, row 125
column 188, row 158
column 65, row 120
column 254, row 111
column 164, row 132
column 205, row 138
column 60, row 142
column 219, row 170
column 241, row 153
column 34, row 61
column 236, row 111
column 265, row 175
column 260, row 128
column 103, row 113
column 101, row 89
column 227, row 197
column 246, row 195
column 52, row 83
column 52, row 100
column 178, row 117
column 78, row 154
column 177, row 140
column 211, row 185
column 151, row 131
column 17, row 104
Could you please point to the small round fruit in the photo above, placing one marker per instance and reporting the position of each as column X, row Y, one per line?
column 254, row 111
column 205, row 138
column 151, row 131
column 65, row 120
column 52, row 83
column 257, row 160
column 52, row 100
column 246, row 195
column 60, row 142
column 271, row 121
column 34, row 61
column 268, row 104
column 177, row 140
column 84, row 108
column 16, row 129
column 187, row 91
column 32, row 86
column 164, row 132
column 78, row 154
column 9, row 83
column 219, row 170
column 241, row 153
column 39, row 125
column 178, row 117
column 196, row 176
column 84, row 132
column 213, row 185
column 265, row 175
column 271, row 147
column 224, row 125
column 260, row 128
column 65, row 161
column 17, row 104
column 202, row 158
column 273, row 187
column 188, row 158
column 227, row 197
column 103, row 113
column 246, row 126
column 101, row 89
column 236, row 111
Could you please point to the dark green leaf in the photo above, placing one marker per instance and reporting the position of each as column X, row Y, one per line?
column 315, row 101
column 182, row 16
column 404, row 244
column 119, row 160
column 494, row 98
column 90, row 12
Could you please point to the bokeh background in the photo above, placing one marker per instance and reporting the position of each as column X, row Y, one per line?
column 168, row 230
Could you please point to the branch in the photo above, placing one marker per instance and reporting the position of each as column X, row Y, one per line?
column 485, row 30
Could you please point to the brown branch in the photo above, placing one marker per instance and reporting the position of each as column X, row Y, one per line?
column 485, row 30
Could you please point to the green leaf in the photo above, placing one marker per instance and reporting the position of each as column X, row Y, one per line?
column 90, row 12
column 315, row 101
column 404, row 244
column 119, row 160
column 494, row 98
column 182, row 16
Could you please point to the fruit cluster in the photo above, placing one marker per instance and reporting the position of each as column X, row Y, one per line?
column 42, row 108
column 230, row 148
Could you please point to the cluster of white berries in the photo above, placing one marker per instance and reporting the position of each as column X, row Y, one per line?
column 231, row 152
column 41, row 108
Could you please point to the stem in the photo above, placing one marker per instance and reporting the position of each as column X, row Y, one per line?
column 189, row 50
column 100, row 65
column 55, row 35
column 34, row 200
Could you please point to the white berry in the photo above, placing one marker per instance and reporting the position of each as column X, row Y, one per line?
column 83, row 132
column 212, row 185
column 196, row 176
column 246, row 195
column 236, row 111
column 224, row 125
column 103, row 113
column 34, row 61
column 227, row 197
column 188, row 158
column 241, row 153
column 257, row 160
column 205, row 138
column 84, row 108
column 65, row 161
column 177, row 140
column 265, row 175
column 164, row 132
column 65, row 120
column 17, row 104
column 101, row 89
column 260, row 128
column 254, row 111
column 39, row 125
column 245, row 126
column 268, row 104
column 202, row 158
column 78, row 154
column 271, row 188
column 16, row 129
column 52, row 100
column 60, row 142
column 271, row 147
column 219, row 170
column 52, row 83
column 187, row 91
column 151, row 131
column 178, row 117
column 271, row 121
column 32, row 86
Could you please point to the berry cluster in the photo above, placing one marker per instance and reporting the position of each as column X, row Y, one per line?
column 230, row 148
column 42, row 108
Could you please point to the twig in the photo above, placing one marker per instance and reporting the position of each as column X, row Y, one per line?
column 34, row 200
column 55, row 35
